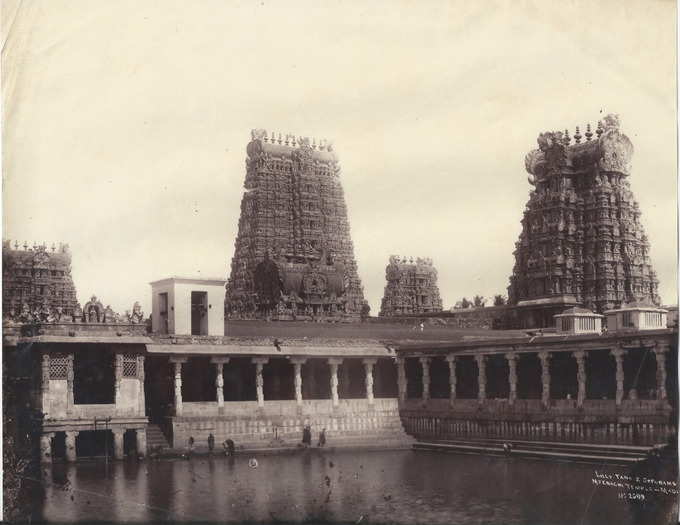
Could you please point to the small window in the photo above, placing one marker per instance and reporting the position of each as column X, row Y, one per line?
column 628, row 320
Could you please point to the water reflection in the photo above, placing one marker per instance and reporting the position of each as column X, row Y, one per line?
column 391, row 486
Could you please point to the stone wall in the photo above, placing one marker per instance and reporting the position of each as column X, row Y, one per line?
column 280, row 423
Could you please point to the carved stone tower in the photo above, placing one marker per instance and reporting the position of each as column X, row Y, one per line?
column 411, row 288
column 36, row 279
column 293, row 257
column 582, row 241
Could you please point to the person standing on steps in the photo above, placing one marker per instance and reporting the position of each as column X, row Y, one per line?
column 307, row 436
column 211, row 443
column 322, row 438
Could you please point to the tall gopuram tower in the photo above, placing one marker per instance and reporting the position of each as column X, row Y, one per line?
column 293, row 256
column 411, row 287
column 582, row 242
column 36, row 279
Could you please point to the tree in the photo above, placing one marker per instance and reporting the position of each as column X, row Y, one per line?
column 498, row 300
column 464, row 303
column 479, row 301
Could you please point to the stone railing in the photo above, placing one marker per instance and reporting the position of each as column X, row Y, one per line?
column 532, row 408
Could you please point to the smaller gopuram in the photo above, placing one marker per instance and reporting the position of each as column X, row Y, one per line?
column 411, row 287
column 36, row 279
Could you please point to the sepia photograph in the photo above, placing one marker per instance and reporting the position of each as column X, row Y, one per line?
column 341, row 262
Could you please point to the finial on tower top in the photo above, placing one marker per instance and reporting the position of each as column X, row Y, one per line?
column 611, row 121
column 577, row 136
column 567, row 138
column 599, row 129
column 589, row 134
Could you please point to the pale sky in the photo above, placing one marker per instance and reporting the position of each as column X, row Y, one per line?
column 126, row 123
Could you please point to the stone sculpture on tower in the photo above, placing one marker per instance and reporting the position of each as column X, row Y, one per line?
column 293, row 257
column 582, row 242
column 411, row 287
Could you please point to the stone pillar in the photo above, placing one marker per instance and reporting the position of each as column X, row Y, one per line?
column 118, row 451
column 45, row 384
column 118, row 377
column 141, row 442
column 481, row 367
column 401, row 378
column 219, row 363
column 581, row 376
column 46, row 447
column 368, row 367
column 334, row 362
column 297, row 364
column 177, row 361
column 140, row 377
column 69, row 387
column 451, row 359
column 512, row 377
column 259, row 380
column 618, row 354
column 71, row 445
column 660, row 354
column 425, row 362
column 545, row 377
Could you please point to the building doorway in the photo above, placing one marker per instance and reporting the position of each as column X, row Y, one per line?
column 199, row 313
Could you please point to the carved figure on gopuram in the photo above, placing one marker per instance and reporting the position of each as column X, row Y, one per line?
column 293, row 256
column 591, row 249
column 411, row 287
column 36, row 277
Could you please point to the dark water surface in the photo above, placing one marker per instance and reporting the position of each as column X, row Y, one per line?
column 348, row 486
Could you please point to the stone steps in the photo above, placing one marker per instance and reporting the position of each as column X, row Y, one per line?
column 155, row 437
column 533, row 449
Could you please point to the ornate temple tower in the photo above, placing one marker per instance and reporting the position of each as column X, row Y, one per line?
column 293, row 257
column 36, row 279
column 411, row 287
column 582, row 241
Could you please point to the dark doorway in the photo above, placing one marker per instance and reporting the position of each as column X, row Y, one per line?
column 529, row 385
column 467, row 380
column 94, row 443
column 199, row 313
column 93, row 377
column 563, row 376
column 414, row 378
column 130, row 442
column 385, row 378
column 163, row 313
column 352, row 379
column 239, row 380
column 497, row 377
column 198, row 380
column 278, row 377
column 600, row 375
column 59, row 445
column 159, row 388
column 316, row 379
column 439, row 378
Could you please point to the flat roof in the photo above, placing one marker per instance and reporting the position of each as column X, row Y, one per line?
column 367, row 350
column 178, row 278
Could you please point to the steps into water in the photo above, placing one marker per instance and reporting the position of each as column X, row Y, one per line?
column 559, row 451
column 155, row 438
